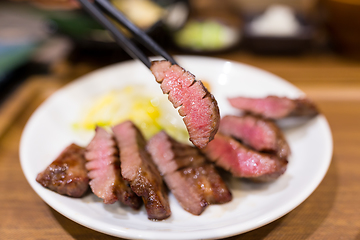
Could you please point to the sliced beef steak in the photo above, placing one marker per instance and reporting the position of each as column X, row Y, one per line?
column 104, row 171
column 67, row 174
column 256, row 132
column 138, row 168
column 170, row 155
column 194, row 182
column 275, row 107
column 241, row 161
column 209, row 182
column 198, row 107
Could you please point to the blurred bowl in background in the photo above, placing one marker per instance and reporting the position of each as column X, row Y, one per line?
column 204, row 36
column 257, row 6
column 277, row 30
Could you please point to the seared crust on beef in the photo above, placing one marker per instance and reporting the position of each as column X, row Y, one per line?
column 304, row 107
column 198, row 107
column 274, row 107
column 104, row 171
column 66, row 175
column 241, row 161
column 208, row 181
column 138, row 168
column 256, row 132
column 194, row 182
column 188, row 195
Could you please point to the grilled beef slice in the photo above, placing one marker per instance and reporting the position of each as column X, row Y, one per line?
column 256, row 132
column 274, row 107
column 198, row 107
column 138, row 168
column 241, row 161
column 104, row 171
column 194, row 182
column 67, row 174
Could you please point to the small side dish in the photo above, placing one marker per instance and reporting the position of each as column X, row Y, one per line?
column 208, row 35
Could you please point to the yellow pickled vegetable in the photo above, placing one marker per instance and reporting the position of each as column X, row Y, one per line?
column 149, row 113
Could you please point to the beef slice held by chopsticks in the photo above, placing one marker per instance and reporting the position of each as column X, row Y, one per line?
column 194, row 182
column 138, row 168
column 198, row 107
column 104, row 171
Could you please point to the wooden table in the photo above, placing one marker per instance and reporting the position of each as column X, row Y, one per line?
column 331, row 212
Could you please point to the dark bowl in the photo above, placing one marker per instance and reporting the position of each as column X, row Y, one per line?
column 272, row 44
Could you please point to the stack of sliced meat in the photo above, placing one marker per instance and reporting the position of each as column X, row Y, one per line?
column 133, row 180
column 258, row 133
column 252, row 146
column 242, row 161
column 249, row 147
column 123, row 166
column 194, row 182
column 198, row 107
column 104, row 171
column 138, row 168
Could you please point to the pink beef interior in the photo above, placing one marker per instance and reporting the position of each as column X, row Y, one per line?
column 198, row 106
column 104, row 170
column 231, row 155
column 138, row 168
column 256, row 132
column 252, row 132
column 269, row 107
column 188, row 196
column 194, row 182
column 101, row 156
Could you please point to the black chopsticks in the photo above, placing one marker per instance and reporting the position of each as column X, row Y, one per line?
column 104, row 5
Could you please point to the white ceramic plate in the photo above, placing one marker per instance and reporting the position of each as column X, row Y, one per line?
column 49, row 130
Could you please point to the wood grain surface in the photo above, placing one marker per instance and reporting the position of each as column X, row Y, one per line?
column 331, row 212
